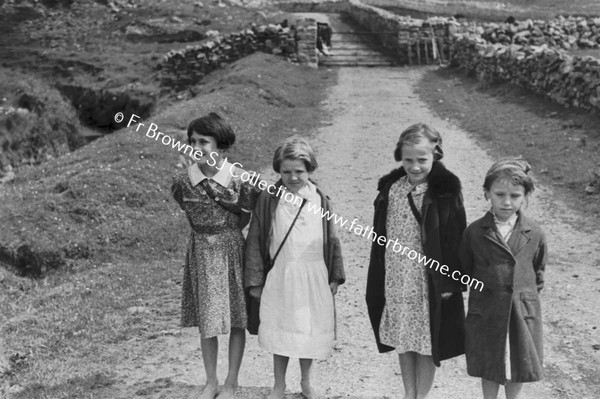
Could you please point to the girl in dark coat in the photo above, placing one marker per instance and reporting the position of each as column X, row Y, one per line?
column 413, row 305
column 506, row 251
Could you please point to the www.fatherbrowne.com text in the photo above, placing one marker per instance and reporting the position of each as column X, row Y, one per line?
column 280, row 192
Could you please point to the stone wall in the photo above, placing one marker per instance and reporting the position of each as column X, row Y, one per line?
column 566, row 33
column 564, row 78
column 186, row 67
column 336, row 6
column 410, row 41
column 482, row 10
column 528, row 53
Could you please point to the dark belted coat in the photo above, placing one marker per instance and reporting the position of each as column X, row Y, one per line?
column 442, row 225
column 512, row 275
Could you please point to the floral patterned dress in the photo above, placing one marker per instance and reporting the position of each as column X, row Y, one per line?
column 212, row 289
column 405, row 322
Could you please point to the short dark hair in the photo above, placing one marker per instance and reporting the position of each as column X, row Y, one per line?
column 414, row 134
column 215, row 126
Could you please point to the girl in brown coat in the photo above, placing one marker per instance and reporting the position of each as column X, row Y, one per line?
column 506, row 251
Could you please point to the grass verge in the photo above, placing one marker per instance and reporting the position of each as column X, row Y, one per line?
column 112, row 197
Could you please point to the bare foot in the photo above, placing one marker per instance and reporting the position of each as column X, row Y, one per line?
column 277, row 393
column 308, row 391
column 209, row 391
column 227, row 392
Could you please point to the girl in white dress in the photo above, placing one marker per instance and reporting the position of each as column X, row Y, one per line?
column 297, row 317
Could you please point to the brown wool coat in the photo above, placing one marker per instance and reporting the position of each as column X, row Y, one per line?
column 512, row 274
column 442, row 226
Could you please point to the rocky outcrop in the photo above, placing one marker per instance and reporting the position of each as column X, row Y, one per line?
column 97, row 107
column 36, row 123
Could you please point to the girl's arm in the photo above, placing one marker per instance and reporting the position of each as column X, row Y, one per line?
column 248, row 195
column 539, row 262
column 333, row 287
column 244, row 219
column 465, row 255
column 338, row 275
column 177, row 192
column 254, row 263
column 457, row 221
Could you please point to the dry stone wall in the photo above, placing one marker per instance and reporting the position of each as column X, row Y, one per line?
column 529, row 53
column 410, row 41
column 186, row 67
column 562, row 32
column 552, row 72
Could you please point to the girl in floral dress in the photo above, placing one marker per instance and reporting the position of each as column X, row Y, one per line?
column 217, row 205
column 414, row 308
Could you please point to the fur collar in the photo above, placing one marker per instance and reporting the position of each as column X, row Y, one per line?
column 441, row 181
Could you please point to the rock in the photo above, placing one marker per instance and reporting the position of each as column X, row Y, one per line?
column 8, row 177
column 591, row 188
column 138, row 309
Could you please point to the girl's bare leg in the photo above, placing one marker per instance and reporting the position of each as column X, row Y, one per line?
column 210, row 350
column 280, row 364
column 425, row 374
column 237, row 343
column 408, row 369
column 306, row 372
column 512, row 389
column 490, row 389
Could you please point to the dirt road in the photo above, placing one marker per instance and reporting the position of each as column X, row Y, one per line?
column 367, row 111
column 370, row 108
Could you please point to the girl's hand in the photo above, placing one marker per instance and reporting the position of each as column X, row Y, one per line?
column 333, row 287
column 256, row 292
column 446, row 295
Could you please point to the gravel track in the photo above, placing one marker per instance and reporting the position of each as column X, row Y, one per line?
column 366, row 112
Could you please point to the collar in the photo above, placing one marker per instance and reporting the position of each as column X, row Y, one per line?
column 512, row 220
column 223, row 176
column 306, row 192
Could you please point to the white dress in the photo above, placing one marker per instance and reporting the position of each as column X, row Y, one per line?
column 296, row 309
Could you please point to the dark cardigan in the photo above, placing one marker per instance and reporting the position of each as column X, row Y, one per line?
column 259, row 236
column 442, row 225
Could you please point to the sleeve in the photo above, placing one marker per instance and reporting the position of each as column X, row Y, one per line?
column 539, row 262
column 177, row 191
column 248, row 194
column 337, row 274
column 254, row 272
column 457, row 221
column 465, row 255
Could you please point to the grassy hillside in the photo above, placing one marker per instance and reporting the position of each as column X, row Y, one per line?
column 111, row 199
column 104, row 217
